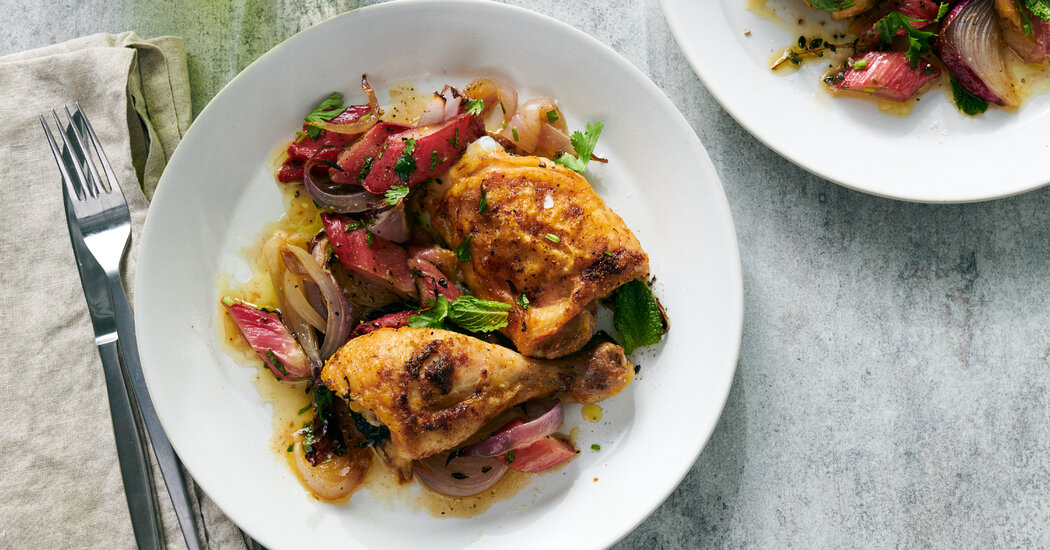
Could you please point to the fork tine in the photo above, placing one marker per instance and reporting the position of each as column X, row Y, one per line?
column 68, row 181
column 77, row 157
column 98, row 148
column 78, row 137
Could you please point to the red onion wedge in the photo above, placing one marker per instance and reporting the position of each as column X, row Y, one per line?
column 392, row 224
column 302, row 330
column 336, row 197
column 517, row 436
column 394, row 320
column 888, row 75
column 363, row 123
column 969, row 45
column 270, row 339
column 340, row 316
column 460, row 476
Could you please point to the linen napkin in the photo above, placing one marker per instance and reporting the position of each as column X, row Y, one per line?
column 60, row 482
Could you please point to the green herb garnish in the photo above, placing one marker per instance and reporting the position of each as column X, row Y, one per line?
column 433, row 316
column 475, row 106
column 276, row 362
column 406, row 164
column 433, row 160
column 831, row 5
column 396, row 193
column 514, row 132
column 552, row 238
column 523, row 301
column 483, row 204
column 918, row 41
column 326, row 111
column 596, row 447
column 552, row 116
column 478, row 315
column 966, row 101
column 638, row 318
column 366, row 167
column 463, row 250
column 454, row 140
column 584, row 145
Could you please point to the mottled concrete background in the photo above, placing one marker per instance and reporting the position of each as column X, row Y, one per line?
column 892, row 386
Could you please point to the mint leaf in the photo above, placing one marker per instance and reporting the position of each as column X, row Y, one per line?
column 478, row 315
column 434, row 317
column 638, row 318
column 584, row 145
column 396, row 193
column 966, row 101
column 831, row 5
column 327, row 110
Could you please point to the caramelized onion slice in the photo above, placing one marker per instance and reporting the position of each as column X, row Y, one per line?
column 501, row 101
column 461, row 476
column 340, row 316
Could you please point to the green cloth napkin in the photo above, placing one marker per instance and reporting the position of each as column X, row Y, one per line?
column 60, row 484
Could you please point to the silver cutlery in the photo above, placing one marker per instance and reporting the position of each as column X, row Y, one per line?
column 100, row 229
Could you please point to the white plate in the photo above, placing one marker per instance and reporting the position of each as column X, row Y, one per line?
column 217, row 193
column 935, row 154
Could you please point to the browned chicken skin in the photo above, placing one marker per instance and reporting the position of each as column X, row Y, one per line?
column 434, row 388
column 544, row 233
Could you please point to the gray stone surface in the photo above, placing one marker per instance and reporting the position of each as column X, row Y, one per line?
column 892, row 385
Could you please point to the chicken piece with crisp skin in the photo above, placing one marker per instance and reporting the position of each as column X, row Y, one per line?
column 544, row 240
column 434, row 388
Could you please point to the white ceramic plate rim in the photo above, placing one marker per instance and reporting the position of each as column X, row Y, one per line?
column 181, row 398
column 934, row 155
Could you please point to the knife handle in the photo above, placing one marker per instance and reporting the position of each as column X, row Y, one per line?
column 167, row 460
column 131, row 453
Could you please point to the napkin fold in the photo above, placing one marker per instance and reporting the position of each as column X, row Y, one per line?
column 60, row 481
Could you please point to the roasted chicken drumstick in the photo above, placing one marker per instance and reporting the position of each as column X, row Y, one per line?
column 434, row 388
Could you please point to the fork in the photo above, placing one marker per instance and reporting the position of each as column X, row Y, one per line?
column 104, row 221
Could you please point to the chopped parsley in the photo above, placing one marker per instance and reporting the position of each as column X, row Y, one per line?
column 306, row 408
column 514, row 132
column 327, row 110
column 596, row 447
column 509, row 456
column 552, row 116
column 638, row 318
column 433, row 160
column 860, row 64
column 463, row 250
column 966, row 101
column 552, row 238
column 228, row 301
column 523, row 301
column 584, row 145
column 396, row 193
column 1039, row 8
column 290, row 447
column 475, row 106
column 353, row 226
column 942, row 10
column 831, row 5
column 454, row 140
column 368, row 238
column 366, row 167
column 406, row 164
column 275, row 362
column 918, row 41
column 483, row 204
column 609, row 254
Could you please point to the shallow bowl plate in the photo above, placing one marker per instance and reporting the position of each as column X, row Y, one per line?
column 218, row 192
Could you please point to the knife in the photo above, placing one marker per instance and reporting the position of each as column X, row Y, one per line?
column 131, row 449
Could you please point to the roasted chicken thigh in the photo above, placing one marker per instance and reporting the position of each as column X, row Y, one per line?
column 434, row 388
column 539, row 237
